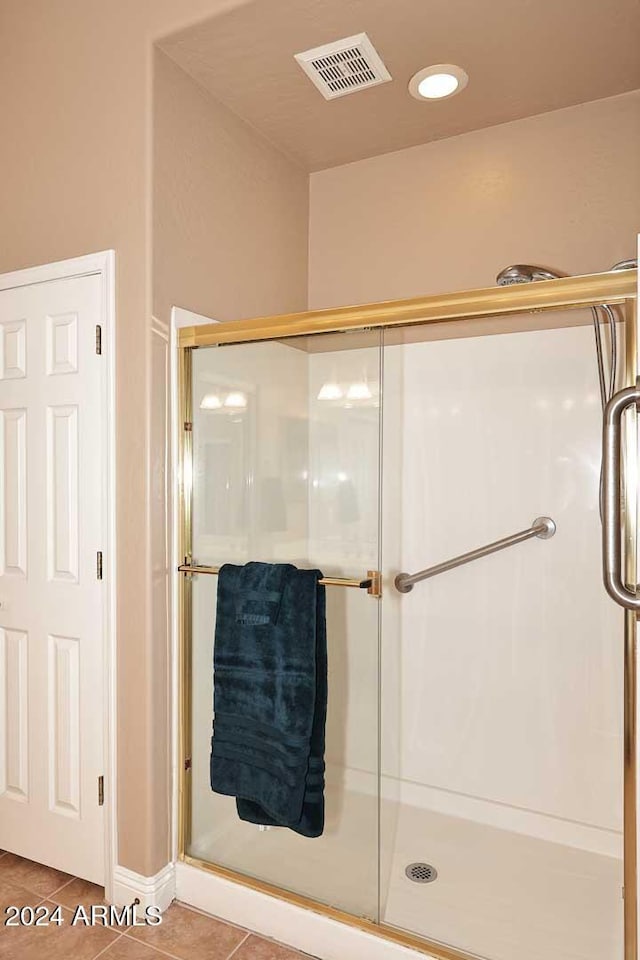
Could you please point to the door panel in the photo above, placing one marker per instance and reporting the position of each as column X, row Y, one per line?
column 285, row 468
column 508, row 707
column 51, row 626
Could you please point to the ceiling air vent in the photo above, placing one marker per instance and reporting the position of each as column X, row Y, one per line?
column 344, row 66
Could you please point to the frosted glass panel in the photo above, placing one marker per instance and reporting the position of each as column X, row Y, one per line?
column 502, row 679
column 286, row 468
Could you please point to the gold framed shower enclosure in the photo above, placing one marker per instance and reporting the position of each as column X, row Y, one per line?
column 492, row 310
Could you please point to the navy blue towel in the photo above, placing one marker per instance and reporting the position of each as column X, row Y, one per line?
column 270, row 694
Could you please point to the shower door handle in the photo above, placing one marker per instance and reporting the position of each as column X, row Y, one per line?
column 612, row 512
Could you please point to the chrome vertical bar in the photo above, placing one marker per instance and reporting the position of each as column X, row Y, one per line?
column 611, row 499
column 630, row 828
column 630, row 521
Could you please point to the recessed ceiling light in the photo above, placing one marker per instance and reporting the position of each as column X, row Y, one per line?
column 438, row 82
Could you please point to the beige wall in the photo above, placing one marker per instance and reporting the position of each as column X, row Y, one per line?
column 230, row 212
column 230, row 239
column 561, row 189
column 75, row 98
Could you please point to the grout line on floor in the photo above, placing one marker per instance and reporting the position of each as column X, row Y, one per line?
column 238, row 945
column 51, row 895
column 165, row 953
column 213, row 916
column 249, row 932
column 37, row 893
column 109, row 945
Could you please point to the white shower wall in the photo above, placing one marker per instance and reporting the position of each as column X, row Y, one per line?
column 502, row 680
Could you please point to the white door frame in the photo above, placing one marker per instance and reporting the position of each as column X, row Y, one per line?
column 100, row 264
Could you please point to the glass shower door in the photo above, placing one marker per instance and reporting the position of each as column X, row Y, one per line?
column 502, row 682
column 286, row 468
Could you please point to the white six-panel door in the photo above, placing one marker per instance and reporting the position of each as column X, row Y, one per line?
column 52, row 489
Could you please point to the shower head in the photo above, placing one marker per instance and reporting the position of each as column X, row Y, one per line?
column 631, row 264
column 528, row 273
column 525, row 273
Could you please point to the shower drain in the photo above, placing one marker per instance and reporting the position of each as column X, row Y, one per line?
column 421, row 872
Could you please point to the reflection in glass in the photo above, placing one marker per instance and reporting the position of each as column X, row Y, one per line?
column 286, row 468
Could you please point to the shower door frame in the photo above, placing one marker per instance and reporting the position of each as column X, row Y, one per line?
column 531, row 302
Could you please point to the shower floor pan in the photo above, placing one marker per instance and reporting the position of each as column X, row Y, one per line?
column 498, row 894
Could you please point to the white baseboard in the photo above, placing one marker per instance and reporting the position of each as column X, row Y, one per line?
column 294, row 926
column 156, row 891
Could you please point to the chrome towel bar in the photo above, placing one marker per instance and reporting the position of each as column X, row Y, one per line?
column 542, row 527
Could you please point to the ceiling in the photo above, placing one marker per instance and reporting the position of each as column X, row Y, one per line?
column 523, row 57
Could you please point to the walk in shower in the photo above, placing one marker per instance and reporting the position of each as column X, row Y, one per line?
column 439, row 460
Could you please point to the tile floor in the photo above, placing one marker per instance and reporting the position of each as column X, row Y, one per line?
column 184, row 934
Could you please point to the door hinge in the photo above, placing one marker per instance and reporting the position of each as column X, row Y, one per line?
column 100, row 791
column 99, row 565
column 187, row 763
column 188, row 426
column 98, row 339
